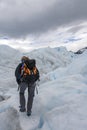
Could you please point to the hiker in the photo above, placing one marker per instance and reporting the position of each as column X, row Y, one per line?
column 26, row 76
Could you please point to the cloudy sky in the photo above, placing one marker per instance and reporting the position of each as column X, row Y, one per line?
column 30, row 24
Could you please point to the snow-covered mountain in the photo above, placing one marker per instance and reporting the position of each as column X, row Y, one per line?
column 81, row 50
column 61, row 102
column 9, row 56
column 48, row 59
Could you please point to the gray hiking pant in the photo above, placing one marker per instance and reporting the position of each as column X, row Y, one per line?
column 31, row 89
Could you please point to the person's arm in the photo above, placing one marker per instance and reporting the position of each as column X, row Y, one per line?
column 18, row 73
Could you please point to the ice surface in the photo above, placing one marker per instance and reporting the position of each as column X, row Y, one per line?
column 61, row 103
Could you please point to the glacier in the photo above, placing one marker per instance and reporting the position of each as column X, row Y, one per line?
column 62, row 92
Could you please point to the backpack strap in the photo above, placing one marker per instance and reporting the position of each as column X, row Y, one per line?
column 24, row 70
column 35, row 70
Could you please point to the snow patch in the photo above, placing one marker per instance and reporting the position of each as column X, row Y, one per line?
column 9, row 120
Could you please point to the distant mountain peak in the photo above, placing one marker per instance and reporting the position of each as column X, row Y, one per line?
column 80, row 51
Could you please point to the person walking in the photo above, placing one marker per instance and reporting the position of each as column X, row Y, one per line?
column 26, row 74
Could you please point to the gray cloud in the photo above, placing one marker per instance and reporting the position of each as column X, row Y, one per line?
column 19, row 18
column 75, row 29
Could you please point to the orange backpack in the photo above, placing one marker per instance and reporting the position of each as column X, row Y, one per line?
column 26, row 71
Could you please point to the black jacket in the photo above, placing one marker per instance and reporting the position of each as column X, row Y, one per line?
column 18, row 73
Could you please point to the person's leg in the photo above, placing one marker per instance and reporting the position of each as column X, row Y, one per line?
column 23, row 87
column 31, row 89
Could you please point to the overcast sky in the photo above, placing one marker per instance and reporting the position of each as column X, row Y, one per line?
column 39, row 23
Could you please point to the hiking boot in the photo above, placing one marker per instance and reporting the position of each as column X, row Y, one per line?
column 28, row 113
column 22, row 110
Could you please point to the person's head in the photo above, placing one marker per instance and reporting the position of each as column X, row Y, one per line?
column 24, row 58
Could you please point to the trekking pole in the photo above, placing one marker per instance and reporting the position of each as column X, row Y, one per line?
column 37, row 84
column 18, row 88
column 36, row 90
